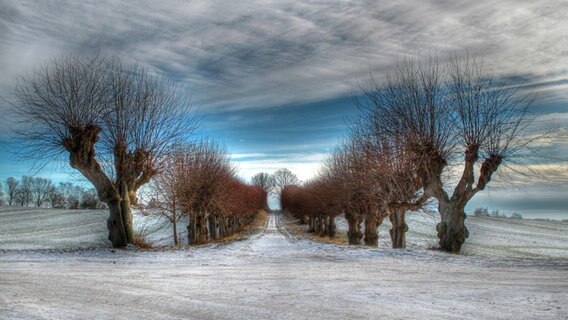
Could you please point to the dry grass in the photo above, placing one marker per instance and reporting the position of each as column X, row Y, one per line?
column 141, row 238
column 257, row 225
column 301, row 231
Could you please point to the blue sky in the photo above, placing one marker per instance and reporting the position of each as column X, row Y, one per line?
column 274, row 79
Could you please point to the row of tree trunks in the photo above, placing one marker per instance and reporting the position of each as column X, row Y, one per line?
column 372, row 223
column 202, row 229
column 323, row 226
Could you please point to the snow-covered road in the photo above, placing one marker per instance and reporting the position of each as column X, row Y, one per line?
column 273, row 275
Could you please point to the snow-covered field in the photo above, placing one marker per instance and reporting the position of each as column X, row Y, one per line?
column 493, row 237
column 274, row 275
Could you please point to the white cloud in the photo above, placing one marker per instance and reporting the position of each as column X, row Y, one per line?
column 304, row 165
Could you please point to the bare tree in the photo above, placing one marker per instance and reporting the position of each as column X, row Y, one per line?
column 216, row 202
column 164, row 190
column 283, row 177
column 24, row 194
column 12, row 185
column 205, row 171
column 263, row 180
column 55, row 197
column 115, row 122
column 40, row 188
column 439, row 113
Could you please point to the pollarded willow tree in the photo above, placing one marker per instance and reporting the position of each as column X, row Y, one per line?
column 398, row 188
column 113, row 121
column 457, row 114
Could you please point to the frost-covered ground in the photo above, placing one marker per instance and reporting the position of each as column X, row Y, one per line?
column 492, row 237
column 274, row 275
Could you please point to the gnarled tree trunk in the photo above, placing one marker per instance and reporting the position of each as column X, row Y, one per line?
column 126, row 213
column 371, row 234
column 452, row 231
column 399, row 228
column 201, row 227
column 116, row 233
column 354, row 234
column 330, row 227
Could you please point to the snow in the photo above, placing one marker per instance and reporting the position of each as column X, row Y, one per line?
column 273, row 275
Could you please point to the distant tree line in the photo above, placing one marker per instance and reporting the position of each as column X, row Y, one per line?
column 484, row 212
column 275, row 183
column 42, row 192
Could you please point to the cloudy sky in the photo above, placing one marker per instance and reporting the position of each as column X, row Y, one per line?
column 274, row 79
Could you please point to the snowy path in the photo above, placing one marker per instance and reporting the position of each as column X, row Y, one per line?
column 273, row 275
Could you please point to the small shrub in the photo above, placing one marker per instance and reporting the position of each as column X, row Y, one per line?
column 481, row 212
column 141, row 238
column 516, row 215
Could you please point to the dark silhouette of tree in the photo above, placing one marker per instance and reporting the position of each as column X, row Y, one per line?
column 282, row 178
column 24, row 192
column 263, row 180
column 55, row 197
column 12, row 184
column 40, row 188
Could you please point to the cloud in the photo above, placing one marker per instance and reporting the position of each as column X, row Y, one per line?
column 304, row 165
column 258, row 69
column 267, row 53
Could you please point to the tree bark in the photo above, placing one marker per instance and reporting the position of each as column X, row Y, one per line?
column 201, row 227
column 192, row 229
column 126, row 213
column 115, row 226
column 174, row 226
column 452, row 231
column 311, row 224
column 371, row 234
column 331, row 227
column 398, row 229
column 213, row 227
column 354, row 234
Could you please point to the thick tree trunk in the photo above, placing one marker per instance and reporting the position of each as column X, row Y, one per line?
column 371, row 234
column 321, row 226
column 192, row 229
column 312, row 224
column 398, row 229
column 174, row 226
column 126, row 212
column 452, row 231
column 116, row 233
column 201, row 226
column 331, row 227
column 213, row 227
column 354, row 234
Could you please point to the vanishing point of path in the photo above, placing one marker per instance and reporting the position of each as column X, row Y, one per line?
column 274, row 275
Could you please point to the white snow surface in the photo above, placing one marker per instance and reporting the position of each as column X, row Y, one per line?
column 273, row 275
column 493, row 237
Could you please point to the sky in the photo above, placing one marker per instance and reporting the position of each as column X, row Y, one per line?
column 274, row 80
